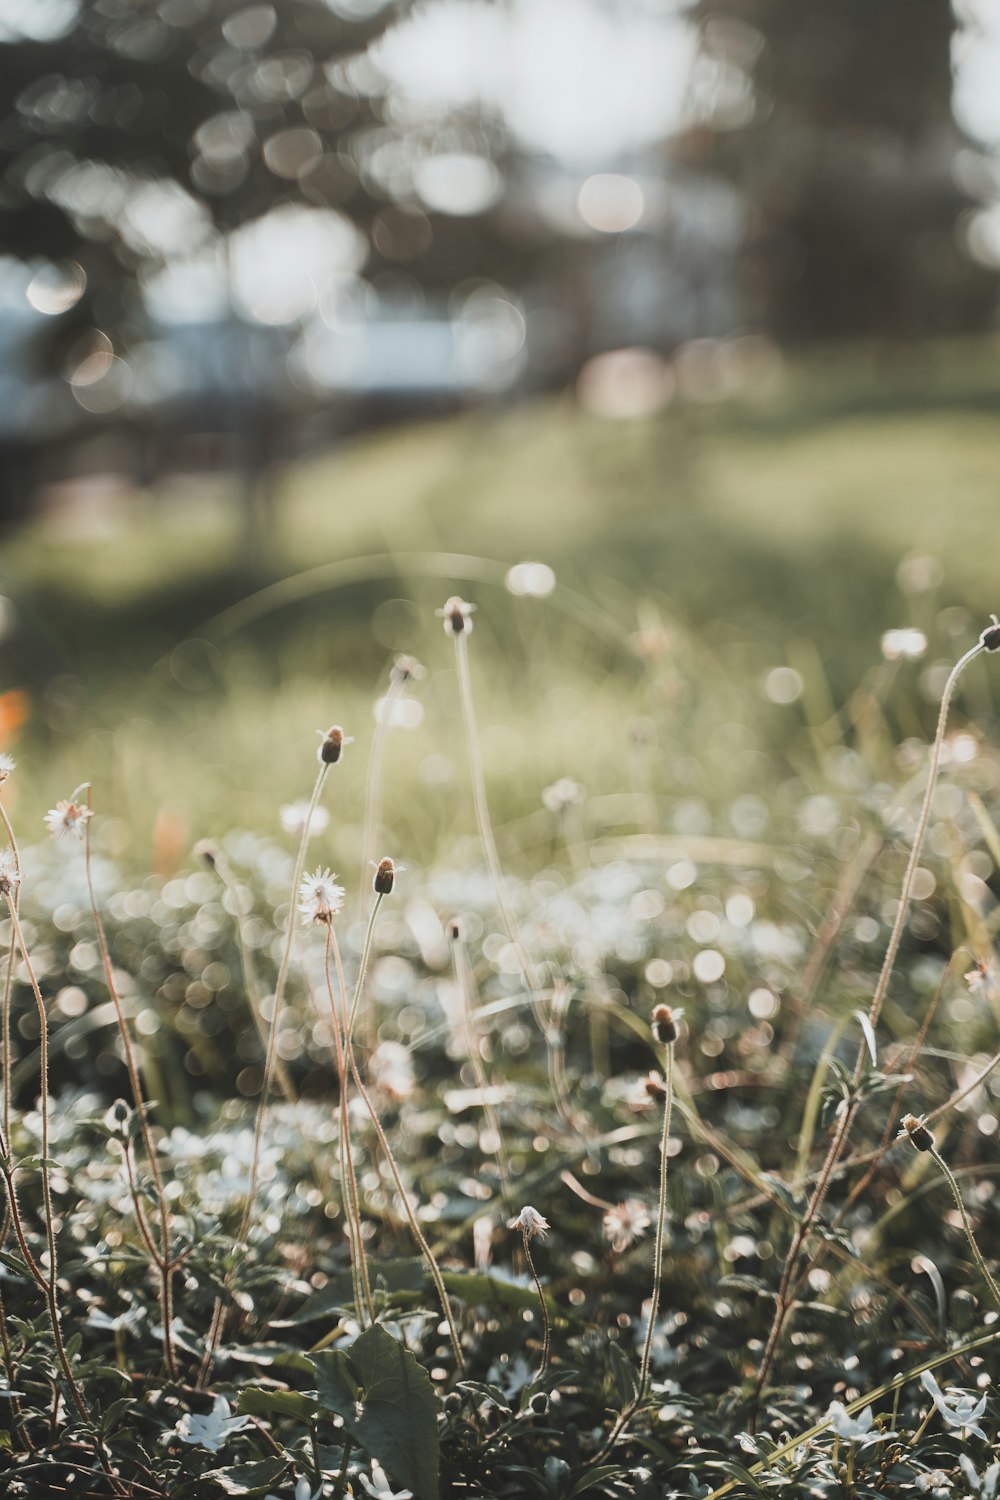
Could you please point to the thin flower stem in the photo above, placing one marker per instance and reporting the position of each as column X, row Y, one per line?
column 661, row 1218
column 349, row 1181
column 218, row 1312
column 48, row 1283
column 162, row 1258
column 279, row 996
column 783, row 1302
column 383, row 1141
column 250, row 978
column 546, row 1322
column 8, row 1056
column 464, row 983
column 642, row 1389
column 359, row 986
column 973, row 1245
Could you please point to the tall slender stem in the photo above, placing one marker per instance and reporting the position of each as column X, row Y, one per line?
column 279, row 996
column 973, row 1244
column 48, row 1282
column 348, row 1176
column 661, row 1219
column 783, row 1303
column 546, row 1321
column 463, row 981
column 162, row 1259
column 383, row 1140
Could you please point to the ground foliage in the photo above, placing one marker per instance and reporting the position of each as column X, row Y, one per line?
column 763, row 914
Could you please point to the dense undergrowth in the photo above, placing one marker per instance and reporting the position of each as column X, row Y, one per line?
column 303, row 1228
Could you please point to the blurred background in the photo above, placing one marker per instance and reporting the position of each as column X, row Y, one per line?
column 317, row 311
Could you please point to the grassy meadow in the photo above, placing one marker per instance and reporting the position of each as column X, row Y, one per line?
column 574, row 1161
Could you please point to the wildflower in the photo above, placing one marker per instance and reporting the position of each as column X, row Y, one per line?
column 407, row 669
column 990, row 637
column 7, row 764
column 530, row 1222
column 457, row 616
column 655, row 1088
column 663, row 1024
column 381, row 1489
column 320, row 898
column 957, row 1408
column 385, row 876
column 334, row 739
column 562, row 794
column 207, row 851
column 68, row 817
column 982, row 980
column 294, row 814
column 626, row 1223
column 855, row 1429
column 905, row 645
column 987, row 1485
column 920, row 1136
column 211, row 1432
column 10, row 875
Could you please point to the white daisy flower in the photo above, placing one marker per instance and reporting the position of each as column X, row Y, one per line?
column 7, row 764
column 320, row 898
column 626, row 1223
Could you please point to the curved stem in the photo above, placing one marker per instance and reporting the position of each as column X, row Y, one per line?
column 661, row 1218
column 279, row 996
column 973, row 1245
column 359, row 986
column 48, row 1283
column 546, row 1323
column 783, row 1303
column 349, row 1181
column 161, row 1258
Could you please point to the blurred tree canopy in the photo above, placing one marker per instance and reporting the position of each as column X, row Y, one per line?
column 835, row 122
column 141, row 126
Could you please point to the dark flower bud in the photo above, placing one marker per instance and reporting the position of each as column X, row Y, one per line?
column 385, row 877
column 333, row 743
column 539, row 1403
column 919, row 1135
column 206, row 851
column 990, row 637
column 655, row 1088
column 454, row 930
column 664, row 1024
column 453, row 1403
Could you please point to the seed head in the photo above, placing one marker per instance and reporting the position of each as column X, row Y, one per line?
column 530, row 1222
column 990, row 637
column 454, row 930
column 319, row 897
column 457, row 616
column 919, row 1135
column 406, row 669
column 10, row 875
column 626, row 1223
column 665, row 1024
column 68, row 817
column 385, row 877
column 334, row 739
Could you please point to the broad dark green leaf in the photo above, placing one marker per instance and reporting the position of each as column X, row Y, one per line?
column 388, row 1404
column 249, row 1479
column 258, row 1401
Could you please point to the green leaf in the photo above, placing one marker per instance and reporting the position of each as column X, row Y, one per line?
column 624, row 1374
column 388, row 1405
column 249, row 1479
column 591, row 1480
column 259, row 1401
column 485, row 1288
column 794, row 1202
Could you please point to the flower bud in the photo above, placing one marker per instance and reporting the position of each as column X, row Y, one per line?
column 385, row 876
column 990, row 637
column 655, row 1087
column 664, row 1024
column 539, row 1403
column 919, row 1135
column 457, row 616
column 334, row 740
